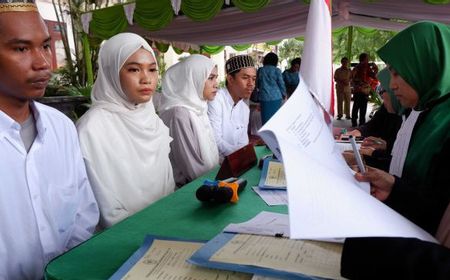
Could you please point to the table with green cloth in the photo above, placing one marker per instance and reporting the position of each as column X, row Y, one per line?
column 178, row 215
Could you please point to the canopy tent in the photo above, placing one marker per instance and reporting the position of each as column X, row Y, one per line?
column 206, row 22
column 209, row 24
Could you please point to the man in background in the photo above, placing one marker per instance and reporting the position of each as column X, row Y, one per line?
column 362, row 75
column 291, row 76
column 46, row 203
column 342, row 77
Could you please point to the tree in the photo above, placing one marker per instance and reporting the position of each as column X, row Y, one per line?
column 290, row 49
column 364, row 40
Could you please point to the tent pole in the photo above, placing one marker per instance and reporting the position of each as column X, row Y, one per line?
column 349, row 43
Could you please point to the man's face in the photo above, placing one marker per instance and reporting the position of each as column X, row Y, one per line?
column 243, row 83
column 344, row 63
column 25, row 56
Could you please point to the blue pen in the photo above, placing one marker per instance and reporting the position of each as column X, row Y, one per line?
column 357, row 155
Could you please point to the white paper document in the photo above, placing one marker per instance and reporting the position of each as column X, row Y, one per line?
column 272, row 197
column 265, row 223
column 325, row 200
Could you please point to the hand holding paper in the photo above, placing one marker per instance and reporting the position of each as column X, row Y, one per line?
column 325, row 200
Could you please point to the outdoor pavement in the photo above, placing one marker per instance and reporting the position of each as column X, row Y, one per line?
column 344, row 123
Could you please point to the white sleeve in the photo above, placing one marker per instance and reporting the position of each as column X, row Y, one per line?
column 87, row 214
column 216, row 119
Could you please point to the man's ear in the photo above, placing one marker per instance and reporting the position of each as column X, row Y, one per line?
column 230, row 79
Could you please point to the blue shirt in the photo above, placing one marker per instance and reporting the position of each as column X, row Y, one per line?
column 270, row 83
column 291, row 78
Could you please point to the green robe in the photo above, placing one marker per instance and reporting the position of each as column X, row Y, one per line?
column 420, row 54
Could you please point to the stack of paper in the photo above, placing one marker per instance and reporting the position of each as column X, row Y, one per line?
column 325, row 200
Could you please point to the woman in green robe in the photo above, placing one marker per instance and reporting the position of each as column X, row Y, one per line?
column 418, row 186
column 419, row 59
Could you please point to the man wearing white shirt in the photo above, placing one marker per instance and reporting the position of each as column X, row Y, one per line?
column 46, row 202
column 228, row 112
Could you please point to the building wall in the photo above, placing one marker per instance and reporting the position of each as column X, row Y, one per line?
column 47, row 12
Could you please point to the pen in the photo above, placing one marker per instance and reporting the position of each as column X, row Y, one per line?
column 357, row 155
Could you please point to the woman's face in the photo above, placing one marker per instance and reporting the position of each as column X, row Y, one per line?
column 387, row 103
column 139, row 76
column 406, row 95
column 210, row 89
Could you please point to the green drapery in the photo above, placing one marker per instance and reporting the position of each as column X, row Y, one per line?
column 153, row 15
column 339, row 31
column 201, row 10
column 212, row 49
column 108, row 22
column 162, row 47
column 365, row 30
column 240, row 48
column 437, row 2
column 177, row 50
column 349, row 42
column 249, row 6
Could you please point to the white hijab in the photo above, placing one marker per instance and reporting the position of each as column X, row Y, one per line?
column 125, row 146
column 182, row 86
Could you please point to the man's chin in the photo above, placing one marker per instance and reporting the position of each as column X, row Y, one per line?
column 36, row 95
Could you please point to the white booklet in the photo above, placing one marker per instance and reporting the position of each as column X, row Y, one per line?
column 325, row 200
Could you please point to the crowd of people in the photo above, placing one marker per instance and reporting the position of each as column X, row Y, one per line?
column 60, row 182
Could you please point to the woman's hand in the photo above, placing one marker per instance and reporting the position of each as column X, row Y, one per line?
column 367, row 151
column 349, row 157
column 374, row 142
column 381, row 182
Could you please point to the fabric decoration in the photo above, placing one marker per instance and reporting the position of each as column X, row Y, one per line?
column 176, row 4
column 85, row 21
column 129, row 12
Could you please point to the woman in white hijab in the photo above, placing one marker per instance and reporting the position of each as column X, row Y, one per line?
column 125, row 144
column 186, row 88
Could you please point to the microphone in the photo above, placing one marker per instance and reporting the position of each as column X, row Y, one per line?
column 221, row 191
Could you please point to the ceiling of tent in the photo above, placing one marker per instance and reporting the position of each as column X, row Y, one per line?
column 253, row 21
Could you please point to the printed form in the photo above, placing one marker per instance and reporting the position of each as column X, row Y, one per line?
column 306, row 257
column 275, row 175
column 166, row 259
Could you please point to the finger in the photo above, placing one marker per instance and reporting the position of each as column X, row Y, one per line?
column 361, row 177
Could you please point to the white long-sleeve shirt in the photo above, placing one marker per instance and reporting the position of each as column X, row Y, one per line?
column 46, row 202
column 229, row 122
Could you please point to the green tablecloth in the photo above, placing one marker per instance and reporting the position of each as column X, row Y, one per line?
column 177, row 215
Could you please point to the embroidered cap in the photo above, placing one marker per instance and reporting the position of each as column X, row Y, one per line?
column 18, row 6
column 238, row 62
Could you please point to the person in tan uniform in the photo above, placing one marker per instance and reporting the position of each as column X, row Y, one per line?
column 343, row 76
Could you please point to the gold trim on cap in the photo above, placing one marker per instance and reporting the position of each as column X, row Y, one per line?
column 18, row 7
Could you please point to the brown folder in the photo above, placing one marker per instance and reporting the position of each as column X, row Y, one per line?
column 235, row 164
